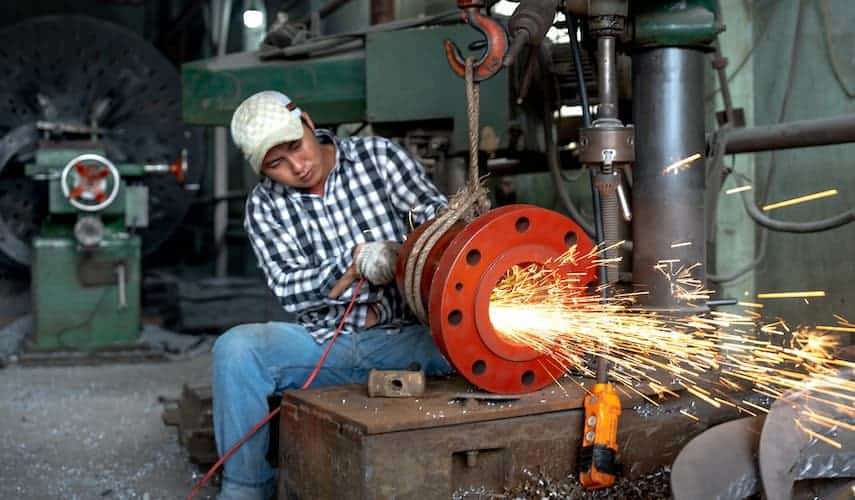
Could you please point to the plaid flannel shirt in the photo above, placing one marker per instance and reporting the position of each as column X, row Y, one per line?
column 304, row 242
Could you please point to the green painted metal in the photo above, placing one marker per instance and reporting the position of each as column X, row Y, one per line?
column 736, row 235
column 49, row 162
column 331, row 89
column 674, row 22
column 819, row 261
column 58, row 203
column 76, row 291
column 71, row 315
column 401, row 76
column 408, row 79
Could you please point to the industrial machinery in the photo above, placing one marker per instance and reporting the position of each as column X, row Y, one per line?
column 96, row 170
column 648, row 117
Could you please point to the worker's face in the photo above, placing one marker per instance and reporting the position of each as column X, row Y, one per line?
column 299, row 163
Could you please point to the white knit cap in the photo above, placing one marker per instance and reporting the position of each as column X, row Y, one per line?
column 264, row 120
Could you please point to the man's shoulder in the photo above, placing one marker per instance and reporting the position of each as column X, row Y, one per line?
column 364, row 145
column 263, row 196
column 260, row 193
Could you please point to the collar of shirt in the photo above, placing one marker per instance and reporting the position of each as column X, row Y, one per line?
column 343, row 147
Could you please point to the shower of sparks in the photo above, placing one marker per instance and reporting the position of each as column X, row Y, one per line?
column 683, row 164
column 800, row 199
column 681, row 244
column 738, row 189
column 721, row 358
column 791, row 295
column 684, row 286
column 751, row 304
column 843, row 325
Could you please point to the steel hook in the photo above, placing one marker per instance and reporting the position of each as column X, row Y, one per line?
column 495, row 39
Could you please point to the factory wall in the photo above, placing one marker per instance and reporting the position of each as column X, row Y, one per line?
column 821, row 261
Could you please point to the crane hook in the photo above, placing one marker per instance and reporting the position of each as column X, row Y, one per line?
column 495, row 37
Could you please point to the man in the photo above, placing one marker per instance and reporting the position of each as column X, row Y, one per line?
column 327, row 211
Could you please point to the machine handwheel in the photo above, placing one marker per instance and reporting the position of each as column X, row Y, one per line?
column 90, row 182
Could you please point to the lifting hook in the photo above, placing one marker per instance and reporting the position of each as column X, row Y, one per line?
column 496, row 40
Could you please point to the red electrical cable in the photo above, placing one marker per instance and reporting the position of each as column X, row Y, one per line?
column 311, row 378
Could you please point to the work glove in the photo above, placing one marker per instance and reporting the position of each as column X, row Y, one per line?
column 375, row 261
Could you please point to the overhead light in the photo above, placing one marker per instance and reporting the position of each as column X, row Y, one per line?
column 253, row 18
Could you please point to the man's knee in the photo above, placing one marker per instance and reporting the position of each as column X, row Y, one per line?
column 236, row 344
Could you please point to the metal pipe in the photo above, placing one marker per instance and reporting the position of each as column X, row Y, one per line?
column 668, row 108
column 720, row 65
column 572, row 27
column 607, row 77
column 798, row 134
column 221, row 180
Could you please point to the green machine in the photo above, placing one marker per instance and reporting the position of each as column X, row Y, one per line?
column 93, row 174
column 86, row 257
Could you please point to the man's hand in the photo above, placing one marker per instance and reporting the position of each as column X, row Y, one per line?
column 375, row 261
column 347, row 279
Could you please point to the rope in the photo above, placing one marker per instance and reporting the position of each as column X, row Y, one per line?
column 473, row 108
column 467, row 204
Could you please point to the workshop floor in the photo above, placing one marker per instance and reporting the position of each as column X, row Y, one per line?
column 94, row 431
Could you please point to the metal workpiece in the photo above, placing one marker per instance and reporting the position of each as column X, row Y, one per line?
column 396, row 383
column 668, row 106
column 797, row 134
column 720, row 463
column 460, row 272
column 787, row 454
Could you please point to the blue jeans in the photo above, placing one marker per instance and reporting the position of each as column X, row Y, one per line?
column 254, row 361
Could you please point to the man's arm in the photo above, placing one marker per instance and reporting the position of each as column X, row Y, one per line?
column 301, row 283
column 412, row 193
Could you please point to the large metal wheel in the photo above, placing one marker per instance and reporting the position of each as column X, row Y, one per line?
column 76, row 70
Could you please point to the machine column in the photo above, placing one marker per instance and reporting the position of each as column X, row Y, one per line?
column 668, row 111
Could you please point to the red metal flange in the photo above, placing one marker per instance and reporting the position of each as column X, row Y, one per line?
column 461, row 272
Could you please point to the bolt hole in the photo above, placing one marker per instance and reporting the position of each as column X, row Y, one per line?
column 479, row 367
column 397, row 384
column 455, row 317
column 570, row 239
column 473, row 257
column 528, row 378
column 522, row 224
column 458, row 286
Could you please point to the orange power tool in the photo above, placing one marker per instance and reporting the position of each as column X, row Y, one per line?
column 598, row 465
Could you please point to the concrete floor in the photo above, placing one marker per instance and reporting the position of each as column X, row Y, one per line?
column 94, row 431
